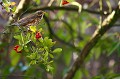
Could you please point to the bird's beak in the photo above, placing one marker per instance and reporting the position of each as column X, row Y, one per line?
column 44, row 12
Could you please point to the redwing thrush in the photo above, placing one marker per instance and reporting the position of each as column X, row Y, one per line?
column 30, row 20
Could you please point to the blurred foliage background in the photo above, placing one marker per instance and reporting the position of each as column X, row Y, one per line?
column 71, row 31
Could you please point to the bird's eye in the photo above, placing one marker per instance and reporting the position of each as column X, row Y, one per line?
column 39, row 13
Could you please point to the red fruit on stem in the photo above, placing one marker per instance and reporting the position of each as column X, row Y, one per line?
column 64, row 2
column 16, row 49
column 38, row 35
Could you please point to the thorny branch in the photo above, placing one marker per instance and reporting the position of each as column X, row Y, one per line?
column 106, row 25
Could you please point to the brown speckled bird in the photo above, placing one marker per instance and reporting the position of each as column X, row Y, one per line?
column 32, row 19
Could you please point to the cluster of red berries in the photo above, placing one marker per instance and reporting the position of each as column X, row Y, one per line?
column 38, row 35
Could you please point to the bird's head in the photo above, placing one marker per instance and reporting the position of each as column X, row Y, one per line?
column 40, row 13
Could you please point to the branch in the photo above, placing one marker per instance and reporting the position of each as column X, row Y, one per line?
column 106, row 25
column 68, row 9
column 117, row 25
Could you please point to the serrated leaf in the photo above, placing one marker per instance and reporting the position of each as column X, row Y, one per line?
column 33, row 28
column 57, row 50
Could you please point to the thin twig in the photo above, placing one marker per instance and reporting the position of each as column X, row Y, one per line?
column 117, row 25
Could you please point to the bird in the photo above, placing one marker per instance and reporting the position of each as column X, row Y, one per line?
column 30, row 20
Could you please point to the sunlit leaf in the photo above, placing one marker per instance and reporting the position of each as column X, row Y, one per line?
column 57, row 50
column 49, row 68
column 18, row 37
column 37, row 1
column 46, row 56
column 51, row 55
column 33, row 56
column 48, row 42
column 12, row 3
column 78, row 74
column 33, row 28
column 33, row 62
column 14, row 57
column 13, row 9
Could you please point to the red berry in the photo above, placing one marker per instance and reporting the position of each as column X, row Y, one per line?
column 16, row 49
column 38, row 35
column 64, row 2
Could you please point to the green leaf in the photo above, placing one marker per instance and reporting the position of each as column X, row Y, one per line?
column 34, row 56
column 14, row 57
column 40, row 30
column 49, row 68
column 27, row 41
column 48, row 42
column 18, row 37
column 51, row 56
column 46, row 56
column 67, row 55
column 37, row 1
column 50, row 62
column 114, row 48
column 7, row 9
column 32, row 62
column 20, row 48
column 78, row 75
column 5, row 1
column 57, row 50
column 13, row 9
column 33, row 28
